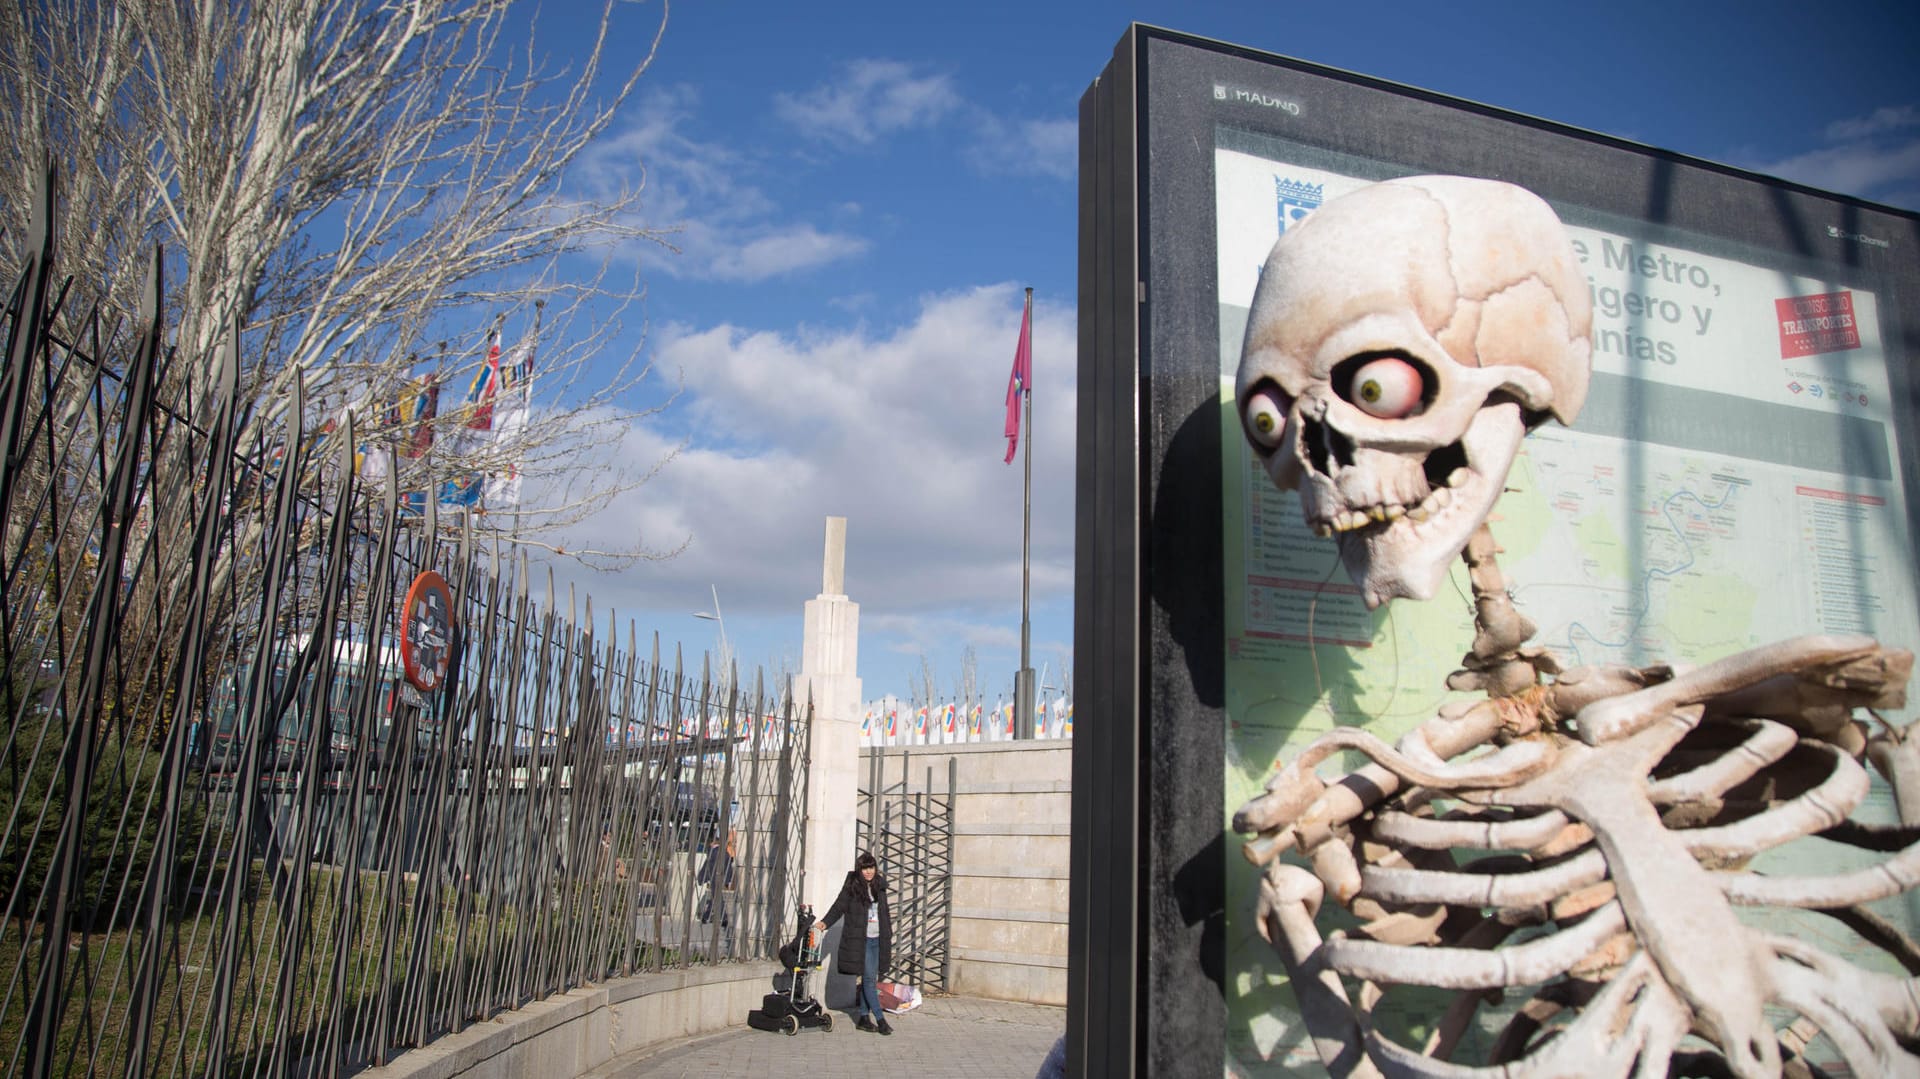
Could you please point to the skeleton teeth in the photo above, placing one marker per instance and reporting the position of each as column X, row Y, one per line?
column 1419, row 513
column 1440, row 499
column 1352, row 520
column 1459, row 477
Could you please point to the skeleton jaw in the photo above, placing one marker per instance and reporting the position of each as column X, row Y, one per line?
column 1397, row 541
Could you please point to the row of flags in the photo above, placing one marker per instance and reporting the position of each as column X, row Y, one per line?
column 891, row 723
column 485, row 435
column 757, row 732
column 883, row 724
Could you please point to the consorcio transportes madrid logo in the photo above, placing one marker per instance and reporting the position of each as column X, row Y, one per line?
column 1814, row 324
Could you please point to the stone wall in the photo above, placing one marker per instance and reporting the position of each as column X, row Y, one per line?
column 1012, row 810
column 572, row 1033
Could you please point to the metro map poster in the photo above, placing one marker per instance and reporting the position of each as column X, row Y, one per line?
column 1732, row 480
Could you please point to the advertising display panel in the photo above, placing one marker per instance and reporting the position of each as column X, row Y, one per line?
column 1742, row 471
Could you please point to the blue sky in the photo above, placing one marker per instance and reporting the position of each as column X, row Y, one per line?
column 858, row 193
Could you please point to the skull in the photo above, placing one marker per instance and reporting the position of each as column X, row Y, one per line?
column 1402, row 341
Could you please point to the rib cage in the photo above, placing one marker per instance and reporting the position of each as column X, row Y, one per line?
column 1549, row 834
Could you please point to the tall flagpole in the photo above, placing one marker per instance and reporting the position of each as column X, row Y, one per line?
column 1023, row 681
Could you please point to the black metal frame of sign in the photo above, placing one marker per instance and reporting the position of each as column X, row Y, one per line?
column 1150, row 846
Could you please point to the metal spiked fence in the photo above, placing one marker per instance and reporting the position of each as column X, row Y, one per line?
column 909, row 829
column 234, row 840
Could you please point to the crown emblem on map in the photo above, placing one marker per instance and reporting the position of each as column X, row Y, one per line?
column 1299, row 191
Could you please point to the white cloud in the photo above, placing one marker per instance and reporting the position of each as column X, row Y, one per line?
column 1885, row 118
column 1028, row 147
column 855, row 302
column 898, row 432
column 796, row 248
column 1880, row 172
column 1876, row 157
column 867, row 100
column 871, row 99
column 725, row 227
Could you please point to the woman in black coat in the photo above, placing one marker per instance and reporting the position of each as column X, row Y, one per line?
column 866, row 944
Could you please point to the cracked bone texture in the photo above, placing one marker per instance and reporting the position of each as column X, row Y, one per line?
column 1588, row 834
column 1477, row 285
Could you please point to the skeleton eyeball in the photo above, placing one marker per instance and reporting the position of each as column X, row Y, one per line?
column 1403, row 340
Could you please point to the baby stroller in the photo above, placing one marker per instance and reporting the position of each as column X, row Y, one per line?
column 795, row 1007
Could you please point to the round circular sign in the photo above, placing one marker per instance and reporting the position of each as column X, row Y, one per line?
column 426, row 631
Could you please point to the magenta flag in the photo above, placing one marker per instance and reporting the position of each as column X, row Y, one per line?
column 1020, row 380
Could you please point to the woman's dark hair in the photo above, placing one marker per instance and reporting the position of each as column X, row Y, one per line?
column 865, row 861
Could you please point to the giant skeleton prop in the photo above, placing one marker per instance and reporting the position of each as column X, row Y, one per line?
column 1403, row 340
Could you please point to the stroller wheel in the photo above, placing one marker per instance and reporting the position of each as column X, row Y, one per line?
column 826, row 1021
column 793, row 1025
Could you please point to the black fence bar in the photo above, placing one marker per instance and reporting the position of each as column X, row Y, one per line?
column 234, row 840
column 910, row 833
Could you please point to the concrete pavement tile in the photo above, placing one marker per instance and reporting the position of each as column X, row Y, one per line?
column 944, row 1038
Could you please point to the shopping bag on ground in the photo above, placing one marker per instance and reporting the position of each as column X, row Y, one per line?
column 897, row 997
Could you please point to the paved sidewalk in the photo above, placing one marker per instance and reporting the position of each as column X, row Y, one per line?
column 944, row 1038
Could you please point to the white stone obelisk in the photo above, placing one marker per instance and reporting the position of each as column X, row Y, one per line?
column 829, row 660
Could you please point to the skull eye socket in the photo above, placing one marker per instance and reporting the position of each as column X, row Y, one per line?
column 1266, row 418
column 1388, row 387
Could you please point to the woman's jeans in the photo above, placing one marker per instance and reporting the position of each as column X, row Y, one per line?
column 869, row 999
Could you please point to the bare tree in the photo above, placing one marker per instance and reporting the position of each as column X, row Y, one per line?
column 920, row 684
column 967, row 688
column 367, row 186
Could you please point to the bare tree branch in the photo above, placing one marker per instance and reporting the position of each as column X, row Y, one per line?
column 368, row 186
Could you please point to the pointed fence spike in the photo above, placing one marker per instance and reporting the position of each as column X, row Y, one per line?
column 466, row 551
column 296, row 420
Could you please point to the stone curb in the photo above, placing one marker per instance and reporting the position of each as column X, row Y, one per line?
column 575, row 1032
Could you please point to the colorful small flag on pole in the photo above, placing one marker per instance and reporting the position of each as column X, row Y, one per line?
column 511, row 418
column 485, row 386
column 371, row 462
column 416, row 409
column 461, row 490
